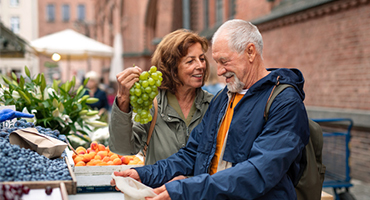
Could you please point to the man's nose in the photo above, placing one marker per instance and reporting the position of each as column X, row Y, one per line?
column 220, row 70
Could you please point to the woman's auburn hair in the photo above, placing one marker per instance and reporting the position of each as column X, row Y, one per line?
column 169, row 52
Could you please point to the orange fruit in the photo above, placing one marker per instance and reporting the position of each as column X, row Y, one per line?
column 94, row 145
column 130, row 157
column 97, row 157
column 110, row 162
column 90, row 164
column 80, row 148
column 102, row 153
column 87, row 157
column 102, row 164
column 137, row 159
column 117, row 161
column 125, row 160
column 110, row 153
column 114, row 156
column 106, row 159
column 78, row 158
column 93, row 154
column 134, row 161
column 80, row 163
column 101, row 147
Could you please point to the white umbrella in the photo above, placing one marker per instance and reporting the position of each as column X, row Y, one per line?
column 71, row 45
column 116, row 64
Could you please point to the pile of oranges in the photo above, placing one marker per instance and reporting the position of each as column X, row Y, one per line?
column 100, row 155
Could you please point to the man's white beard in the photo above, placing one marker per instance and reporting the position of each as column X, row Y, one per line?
column 236, row 85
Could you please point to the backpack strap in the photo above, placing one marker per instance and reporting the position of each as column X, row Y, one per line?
column 152, row 125
column 278, row 88
column 275, row 91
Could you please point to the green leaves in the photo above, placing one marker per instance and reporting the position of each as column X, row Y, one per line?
column 61, row 106
column 27, row 71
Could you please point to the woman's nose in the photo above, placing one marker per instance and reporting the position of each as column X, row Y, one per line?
column 200, row 64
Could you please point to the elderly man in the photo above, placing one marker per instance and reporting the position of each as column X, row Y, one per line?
column 235, row 153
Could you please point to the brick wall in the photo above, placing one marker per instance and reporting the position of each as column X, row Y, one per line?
column 332, row 52
column 249, row 10
column 67, row 68
column 330, row 45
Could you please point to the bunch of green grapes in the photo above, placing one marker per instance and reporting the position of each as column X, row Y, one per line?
column 143, row 92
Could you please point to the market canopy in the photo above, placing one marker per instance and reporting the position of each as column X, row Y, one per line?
column 71, row 45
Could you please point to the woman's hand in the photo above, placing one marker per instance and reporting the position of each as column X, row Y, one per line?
column 162, row 194
column 127, row 173
column 126, row 79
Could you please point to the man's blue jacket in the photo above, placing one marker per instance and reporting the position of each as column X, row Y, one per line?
column 261, row 152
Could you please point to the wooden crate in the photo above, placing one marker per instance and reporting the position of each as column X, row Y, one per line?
column 97, row 178
column 326, row 196
column 59, row 192
column 70, row 185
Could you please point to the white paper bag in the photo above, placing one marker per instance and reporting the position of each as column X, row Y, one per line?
column 133, row 189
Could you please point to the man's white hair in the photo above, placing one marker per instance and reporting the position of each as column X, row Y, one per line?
column 240, row 33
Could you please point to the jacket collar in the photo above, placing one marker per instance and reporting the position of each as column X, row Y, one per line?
column 199, row 99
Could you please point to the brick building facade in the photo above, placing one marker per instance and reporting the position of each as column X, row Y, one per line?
column 326, row 39
column 78, row 15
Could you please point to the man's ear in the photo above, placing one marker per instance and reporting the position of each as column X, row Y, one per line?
column 251, row 52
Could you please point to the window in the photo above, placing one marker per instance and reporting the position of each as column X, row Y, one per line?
column 50, row 12
column 14, row 24
column 81, row 12
column 14, row 2
column 206, row 13
column 65, row 13
column 219, row 11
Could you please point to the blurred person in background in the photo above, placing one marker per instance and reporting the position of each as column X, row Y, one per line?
column 94, row 91
column 213, row 86
column 182, row 103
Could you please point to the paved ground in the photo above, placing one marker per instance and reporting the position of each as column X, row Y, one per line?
column 360, row 190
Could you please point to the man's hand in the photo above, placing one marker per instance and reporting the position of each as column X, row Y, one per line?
column 180, row 177
column 162, row 194
column 162, row 191
column 8, row 114
column 127, row 173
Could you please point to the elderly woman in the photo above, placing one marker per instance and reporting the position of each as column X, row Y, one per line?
column 182, row 103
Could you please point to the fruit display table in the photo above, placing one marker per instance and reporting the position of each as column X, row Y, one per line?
column 95, row 179
column 97, row 196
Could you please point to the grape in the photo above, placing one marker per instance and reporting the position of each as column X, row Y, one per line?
column 143, row 92
column 48, row 190
column 153, row 69
column 148, row 90
column 151, row 81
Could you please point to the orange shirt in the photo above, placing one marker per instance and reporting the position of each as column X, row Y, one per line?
column 224, row 128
